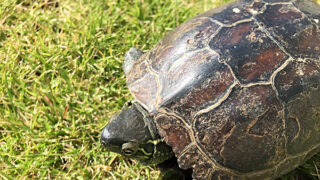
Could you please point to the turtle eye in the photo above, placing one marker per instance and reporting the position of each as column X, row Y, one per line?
column 129, row 148
column 129, row 103
column 128, row 151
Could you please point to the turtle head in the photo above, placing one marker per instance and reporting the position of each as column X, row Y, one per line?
column 133, row 134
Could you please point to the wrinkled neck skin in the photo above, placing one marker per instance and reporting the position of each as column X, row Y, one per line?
column 132, row 133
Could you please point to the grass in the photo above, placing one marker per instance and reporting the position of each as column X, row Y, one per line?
column 61, row 80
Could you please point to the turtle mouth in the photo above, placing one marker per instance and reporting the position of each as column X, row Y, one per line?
column 111, row 144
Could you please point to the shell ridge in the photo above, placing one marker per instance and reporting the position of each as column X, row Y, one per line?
column 272, row 81
column 221, row 24
column 299, row 129
column 283, row 104
column 278, row 3
column 217, row 103
column 167, row 112
column 158, row 82
column 274, row 74
column 184, row 151
column 232, row 72
column 184, row 55
column 269, row 35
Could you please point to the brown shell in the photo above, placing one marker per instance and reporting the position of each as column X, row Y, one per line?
column 236, row 91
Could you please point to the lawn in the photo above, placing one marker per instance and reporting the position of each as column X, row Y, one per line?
column 61, row 80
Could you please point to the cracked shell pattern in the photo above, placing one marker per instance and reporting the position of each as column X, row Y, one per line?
column 252, row 55
column 236, row 90
column 229, row 139
column 293, row 29
column 217, row 79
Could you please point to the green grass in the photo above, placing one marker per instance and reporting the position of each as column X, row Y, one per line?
column 61, row 80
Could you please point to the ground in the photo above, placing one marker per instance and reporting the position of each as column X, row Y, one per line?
column 61, row 80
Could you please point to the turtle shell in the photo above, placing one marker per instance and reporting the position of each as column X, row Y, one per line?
column 236, row 90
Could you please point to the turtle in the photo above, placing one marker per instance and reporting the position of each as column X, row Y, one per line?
column 233, row 93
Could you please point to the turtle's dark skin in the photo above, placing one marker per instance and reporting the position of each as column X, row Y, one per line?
column 235, row 92
column 133, row 134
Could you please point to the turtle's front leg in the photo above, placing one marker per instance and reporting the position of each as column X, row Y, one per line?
column 130, row 58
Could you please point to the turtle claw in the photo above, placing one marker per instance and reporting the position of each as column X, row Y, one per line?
column 130, row 58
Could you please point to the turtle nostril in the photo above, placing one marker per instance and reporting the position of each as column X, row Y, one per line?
column 104, row 143
column 104, row 137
